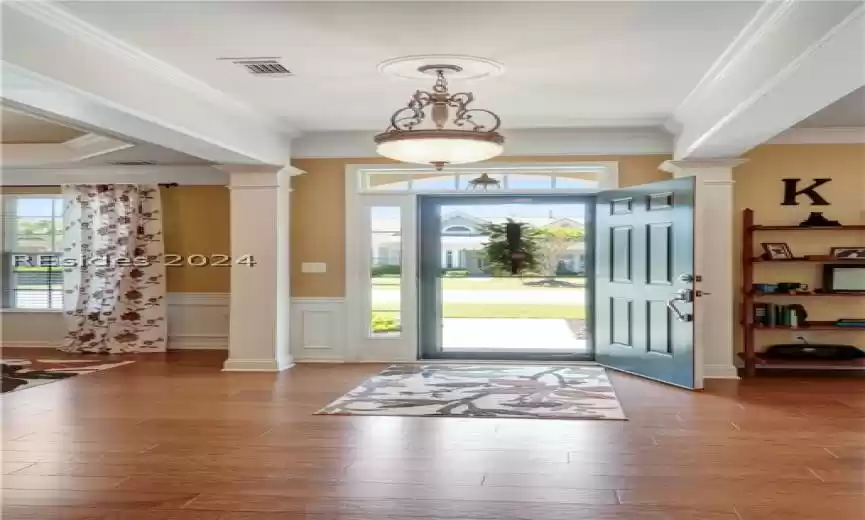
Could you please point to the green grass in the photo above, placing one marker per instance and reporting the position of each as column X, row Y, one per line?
column 502, row 310
column 487, row 284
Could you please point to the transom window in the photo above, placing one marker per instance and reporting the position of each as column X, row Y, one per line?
column 511, row 179
column 32, row 247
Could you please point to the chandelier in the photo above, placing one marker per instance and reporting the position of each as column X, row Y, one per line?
column 452, row 141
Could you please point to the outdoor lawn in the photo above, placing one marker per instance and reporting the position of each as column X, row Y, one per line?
column 485, row 284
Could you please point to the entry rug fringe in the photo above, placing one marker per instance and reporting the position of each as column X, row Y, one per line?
column 506, row 391
column 19, row 374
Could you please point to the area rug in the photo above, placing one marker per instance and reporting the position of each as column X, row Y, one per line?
column 19, row 374
column 513, row 391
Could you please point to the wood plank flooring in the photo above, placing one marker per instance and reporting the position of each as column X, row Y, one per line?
column 170, row 437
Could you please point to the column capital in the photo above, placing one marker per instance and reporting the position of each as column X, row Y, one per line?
column 708, row 171
column 258, row 175
column 702, row 164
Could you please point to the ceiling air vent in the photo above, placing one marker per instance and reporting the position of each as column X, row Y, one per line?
column 271, row 68
column 133, row 163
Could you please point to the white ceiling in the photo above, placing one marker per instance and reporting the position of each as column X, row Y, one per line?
column 848, row 111
column 18, row 127
column 573, row 64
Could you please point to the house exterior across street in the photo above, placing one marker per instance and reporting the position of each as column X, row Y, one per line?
column 462, row 243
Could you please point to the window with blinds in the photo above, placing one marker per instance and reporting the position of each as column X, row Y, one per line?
column 32, row 246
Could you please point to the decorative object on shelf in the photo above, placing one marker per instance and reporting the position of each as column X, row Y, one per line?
column 848, row 253
column 792, row 287
column 776, row 251
column 816, row 219
column 855, row 323
column 791, row 193
column 843, row 278
column 484, row 182
column 813, row 351
column 465, row 141
column 765, row 288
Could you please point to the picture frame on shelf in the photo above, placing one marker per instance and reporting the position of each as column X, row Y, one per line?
column 848, row 253
column 777, row 251
column 843, row 278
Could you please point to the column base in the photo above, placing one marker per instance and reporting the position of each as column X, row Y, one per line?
column 255, row 365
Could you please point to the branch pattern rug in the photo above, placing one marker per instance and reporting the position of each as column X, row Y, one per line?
column 535, row 392
column 19, row 374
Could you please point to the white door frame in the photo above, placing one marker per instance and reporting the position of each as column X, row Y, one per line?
column 360, row 344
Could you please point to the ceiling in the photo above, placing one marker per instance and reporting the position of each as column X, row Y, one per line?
column 848, row 111
column 567, row 64
column 18, row 127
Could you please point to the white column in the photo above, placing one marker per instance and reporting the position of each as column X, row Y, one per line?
column 260, row 290
column 713, row 261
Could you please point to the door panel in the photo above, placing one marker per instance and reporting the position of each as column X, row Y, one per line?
column 645, row 258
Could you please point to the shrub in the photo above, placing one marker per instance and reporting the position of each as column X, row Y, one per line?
column 455, row 273
column 386, row 270
column 384, row 323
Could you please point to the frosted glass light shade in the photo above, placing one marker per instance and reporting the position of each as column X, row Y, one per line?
column 433, row 150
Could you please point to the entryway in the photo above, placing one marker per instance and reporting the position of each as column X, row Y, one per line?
column 421, row 283
column 472, row 306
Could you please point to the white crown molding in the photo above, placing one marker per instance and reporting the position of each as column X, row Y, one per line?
column 60, row 18
column 183, row 175
column 518, row 142
column 833, row 135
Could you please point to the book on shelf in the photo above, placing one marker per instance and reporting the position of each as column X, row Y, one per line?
column 774, row 315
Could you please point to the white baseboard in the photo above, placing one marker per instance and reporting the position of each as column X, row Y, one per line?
column 255, row 365
column 720, row 372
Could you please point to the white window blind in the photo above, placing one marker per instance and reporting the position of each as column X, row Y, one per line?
column 32, row 246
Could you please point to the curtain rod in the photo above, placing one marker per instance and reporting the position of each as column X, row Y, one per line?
column 161, row 184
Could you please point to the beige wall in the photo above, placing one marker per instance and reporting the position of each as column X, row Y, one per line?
column 758, row 186
column 318, row 212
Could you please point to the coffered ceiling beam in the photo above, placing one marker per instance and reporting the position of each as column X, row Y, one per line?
column 793, row 59
column 57, row 65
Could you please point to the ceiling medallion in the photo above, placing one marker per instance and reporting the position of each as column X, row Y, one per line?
column 447, row 141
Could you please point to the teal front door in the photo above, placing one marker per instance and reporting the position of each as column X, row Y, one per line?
column 644, row 281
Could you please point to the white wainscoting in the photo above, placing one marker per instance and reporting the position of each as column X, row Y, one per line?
column 318, row 329
column 195, row 321
column 200, row 321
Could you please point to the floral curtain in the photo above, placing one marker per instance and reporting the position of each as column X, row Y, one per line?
column 114, row 277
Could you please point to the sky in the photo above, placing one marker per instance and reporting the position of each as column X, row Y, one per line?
column 39, row 207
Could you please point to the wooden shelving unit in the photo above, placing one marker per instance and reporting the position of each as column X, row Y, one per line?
column 753, row 359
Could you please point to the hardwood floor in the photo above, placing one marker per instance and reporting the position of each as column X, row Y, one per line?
column 173, row 438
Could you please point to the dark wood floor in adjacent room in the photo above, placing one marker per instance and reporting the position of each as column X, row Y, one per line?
column 173, row 438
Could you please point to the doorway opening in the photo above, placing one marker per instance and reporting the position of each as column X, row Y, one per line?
column 471, row 306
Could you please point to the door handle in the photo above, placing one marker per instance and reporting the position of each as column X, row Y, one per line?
column 686, row 296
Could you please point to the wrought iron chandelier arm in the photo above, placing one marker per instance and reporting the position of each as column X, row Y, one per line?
column 413, row 114
column 464, row 116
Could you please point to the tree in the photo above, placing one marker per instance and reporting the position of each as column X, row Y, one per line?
column 498, row 250
column 552, row 244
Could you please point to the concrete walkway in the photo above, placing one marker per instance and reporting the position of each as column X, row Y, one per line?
column 510, row 334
